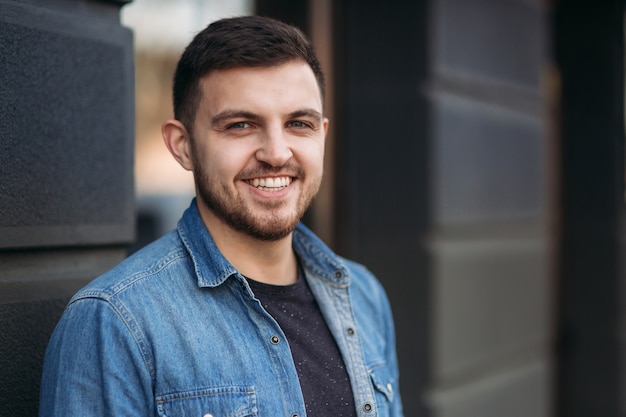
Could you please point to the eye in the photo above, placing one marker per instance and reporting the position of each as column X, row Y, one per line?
column 239, row 126
column 299, row 124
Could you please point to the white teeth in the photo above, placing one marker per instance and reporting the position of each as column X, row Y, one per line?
column 270, row 183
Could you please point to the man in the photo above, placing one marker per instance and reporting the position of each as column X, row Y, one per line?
column 241, row 311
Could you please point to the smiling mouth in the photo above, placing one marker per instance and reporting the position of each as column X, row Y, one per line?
column 270, row 184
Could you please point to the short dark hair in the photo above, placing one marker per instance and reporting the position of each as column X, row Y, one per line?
column 246, row 41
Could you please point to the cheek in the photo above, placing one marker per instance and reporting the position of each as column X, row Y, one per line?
column 314, row 156
column 224, row 161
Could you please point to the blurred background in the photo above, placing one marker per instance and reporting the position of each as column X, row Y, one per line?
column 475, row 163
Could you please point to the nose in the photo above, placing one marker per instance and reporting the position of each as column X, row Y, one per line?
column 274, row 148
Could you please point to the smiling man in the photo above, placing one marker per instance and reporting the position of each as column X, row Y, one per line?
column 240, row 311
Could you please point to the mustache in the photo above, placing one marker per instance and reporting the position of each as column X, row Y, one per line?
column 289, row 169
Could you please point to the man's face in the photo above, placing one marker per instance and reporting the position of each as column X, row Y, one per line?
column 257, row 147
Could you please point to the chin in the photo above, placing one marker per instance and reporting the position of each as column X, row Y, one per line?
column 276, row 229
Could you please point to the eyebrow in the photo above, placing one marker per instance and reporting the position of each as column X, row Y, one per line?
column 221, row 117
column 314, row 114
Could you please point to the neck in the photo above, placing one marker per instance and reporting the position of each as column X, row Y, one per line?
column 270, row 262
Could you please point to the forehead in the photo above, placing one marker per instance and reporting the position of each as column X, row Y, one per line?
column 286, row 85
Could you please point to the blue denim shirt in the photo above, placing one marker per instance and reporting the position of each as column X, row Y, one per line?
column 175, row 330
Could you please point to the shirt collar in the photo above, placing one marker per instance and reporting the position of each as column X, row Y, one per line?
column 212, row 268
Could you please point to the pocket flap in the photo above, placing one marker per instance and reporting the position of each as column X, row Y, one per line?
column 382, row 382
column 219, row 401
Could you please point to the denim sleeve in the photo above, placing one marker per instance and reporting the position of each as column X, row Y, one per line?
column 94, row 366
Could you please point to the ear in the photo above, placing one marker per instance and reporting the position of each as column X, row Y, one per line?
column 325, row 125
column 178, row 142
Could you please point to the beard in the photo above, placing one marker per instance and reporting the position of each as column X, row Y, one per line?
column 268, row 223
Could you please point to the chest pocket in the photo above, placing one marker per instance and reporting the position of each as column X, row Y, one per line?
column 209, row 402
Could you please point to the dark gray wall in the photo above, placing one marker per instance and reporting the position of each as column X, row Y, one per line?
column 589, row 52
column 481, row 176
column 442, row 182
column 490, row 242
column 66, row 170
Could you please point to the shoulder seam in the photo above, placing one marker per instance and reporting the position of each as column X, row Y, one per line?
column 107, row 293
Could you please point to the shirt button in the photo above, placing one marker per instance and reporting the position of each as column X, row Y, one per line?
column 338, row 274
column 367, row 407
column 275, row 340
column 295, row 415
column 350, row 331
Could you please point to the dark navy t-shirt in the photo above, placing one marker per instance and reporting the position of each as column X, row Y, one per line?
column 323, row 377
